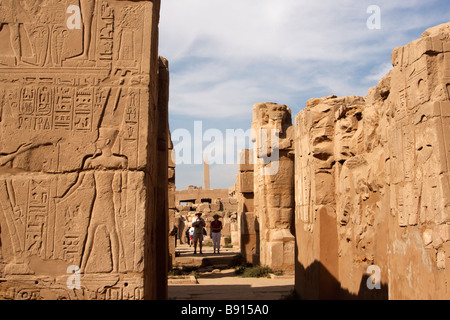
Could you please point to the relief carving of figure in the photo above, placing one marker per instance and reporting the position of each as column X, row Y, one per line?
column 12, row 213
column 5, row 158
column 31, row 24
column 87, row 14
column 279, row 172
column 13, row 14
column 109, row 200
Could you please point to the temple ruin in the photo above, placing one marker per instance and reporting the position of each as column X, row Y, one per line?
column 371, row 189
column 209, row 202
column 372, row 183
column 352, row 194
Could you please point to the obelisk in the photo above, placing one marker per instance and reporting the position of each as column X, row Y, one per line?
column 206, row 174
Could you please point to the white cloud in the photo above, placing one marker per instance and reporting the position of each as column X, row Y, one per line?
column 235, row 53
column 379, row 72
column 226, row 55
column 287, row 29
column 211, row 91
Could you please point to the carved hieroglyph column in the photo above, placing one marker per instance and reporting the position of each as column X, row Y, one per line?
column 78, row 149
column 274, row 184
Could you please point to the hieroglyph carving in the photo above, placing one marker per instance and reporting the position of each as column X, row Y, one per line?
column 74, row 114
column 372, row 177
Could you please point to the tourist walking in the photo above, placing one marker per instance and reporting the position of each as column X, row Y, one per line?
column 198, row 225
column 216, row 228
column 191, row 235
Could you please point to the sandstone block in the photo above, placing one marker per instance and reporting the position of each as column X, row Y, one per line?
column 77, row 181
column 246, row 160
column 246, row 182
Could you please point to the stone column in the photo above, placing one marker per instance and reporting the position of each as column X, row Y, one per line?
column 247, row 218
column 78, row 158
column 274, row 184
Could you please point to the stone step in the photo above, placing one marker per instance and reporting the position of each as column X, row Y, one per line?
column 185, row 257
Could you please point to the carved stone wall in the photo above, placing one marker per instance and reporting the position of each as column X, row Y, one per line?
column 78, row 151
column 372, row 183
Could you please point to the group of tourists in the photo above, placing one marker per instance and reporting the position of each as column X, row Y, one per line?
column 197, row 232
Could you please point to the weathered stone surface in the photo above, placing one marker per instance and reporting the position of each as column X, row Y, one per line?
column 79, row 105
column 248, row 221
column 246, row 182
column 197, row 196
column 372, row 182
column 273, row 135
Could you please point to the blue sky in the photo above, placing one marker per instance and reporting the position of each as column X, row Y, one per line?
column 226, row 55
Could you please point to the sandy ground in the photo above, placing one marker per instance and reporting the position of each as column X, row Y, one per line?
column 216, row 282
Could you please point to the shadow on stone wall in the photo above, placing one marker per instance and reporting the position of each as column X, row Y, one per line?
column 317, row 283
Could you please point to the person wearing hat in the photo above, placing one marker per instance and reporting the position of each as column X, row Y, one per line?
column 216, row 228
column 198, row 225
